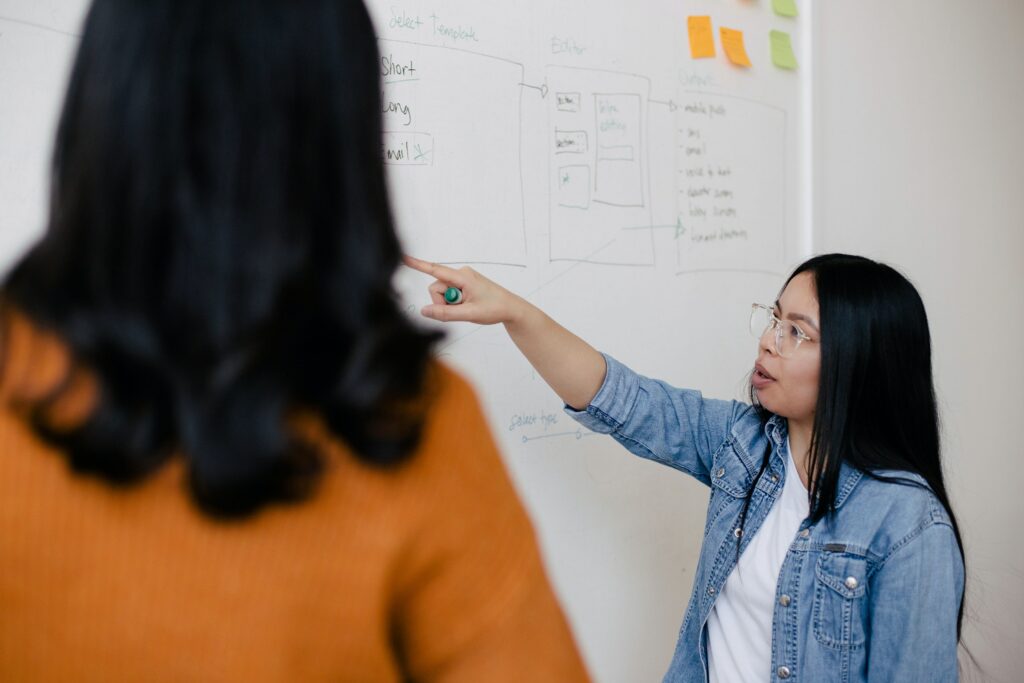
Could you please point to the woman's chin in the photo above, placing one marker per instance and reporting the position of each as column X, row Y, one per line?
column 768, row 404
column 762, row 400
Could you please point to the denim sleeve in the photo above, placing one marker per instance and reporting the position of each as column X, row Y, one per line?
column 915, row 598
column 676, row 427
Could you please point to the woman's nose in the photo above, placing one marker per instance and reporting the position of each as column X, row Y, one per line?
column 767, row 340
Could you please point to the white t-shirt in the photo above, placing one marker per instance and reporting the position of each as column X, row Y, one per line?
column 740, row 624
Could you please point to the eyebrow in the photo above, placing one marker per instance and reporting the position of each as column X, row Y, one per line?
column 798, row 316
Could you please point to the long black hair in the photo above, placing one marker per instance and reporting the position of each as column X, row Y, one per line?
column 876, row 407
column 220, row 249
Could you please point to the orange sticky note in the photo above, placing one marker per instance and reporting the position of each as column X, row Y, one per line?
column 732, row 41
column 702, row 37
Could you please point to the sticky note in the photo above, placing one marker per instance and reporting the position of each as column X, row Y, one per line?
column 782, row 50
column 702, row 38
column 784, row 8
column 732, row 41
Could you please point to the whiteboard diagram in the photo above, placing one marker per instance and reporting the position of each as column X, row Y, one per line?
column 598, row 167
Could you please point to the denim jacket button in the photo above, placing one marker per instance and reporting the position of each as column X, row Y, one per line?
column 851, row 582
column 784, row 600
column 711, row 590
column 775, row 477
column 804, row 533
column 783, row 672
column 721, row 472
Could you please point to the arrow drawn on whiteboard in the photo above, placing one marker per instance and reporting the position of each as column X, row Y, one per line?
column 579, row 434
column 542, row 89
column 672, row 106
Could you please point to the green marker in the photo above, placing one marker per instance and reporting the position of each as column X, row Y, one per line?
column 453, row 295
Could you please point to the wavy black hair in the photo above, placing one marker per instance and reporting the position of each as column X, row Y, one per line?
column 220, row 248
column 876, row 407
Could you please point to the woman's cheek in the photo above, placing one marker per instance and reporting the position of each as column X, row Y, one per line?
column 810, row 390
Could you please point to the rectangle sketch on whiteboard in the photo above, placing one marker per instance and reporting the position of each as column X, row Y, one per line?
column 598, row 159
column 618, row 177
column 574, row 186
column 571, row 141
column 568, row 101
column 730, row 184
column 457, row 185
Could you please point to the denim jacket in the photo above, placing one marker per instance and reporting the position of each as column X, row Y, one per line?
column 870, row 593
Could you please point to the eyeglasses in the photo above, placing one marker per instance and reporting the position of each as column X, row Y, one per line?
column 788, row 336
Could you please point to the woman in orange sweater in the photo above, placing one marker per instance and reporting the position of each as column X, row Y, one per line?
column 225, row 454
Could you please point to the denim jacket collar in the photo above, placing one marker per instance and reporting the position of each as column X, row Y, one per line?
column 777, row 429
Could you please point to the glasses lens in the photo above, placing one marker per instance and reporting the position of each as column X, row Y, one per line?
column 788, row 339
column 759, row 319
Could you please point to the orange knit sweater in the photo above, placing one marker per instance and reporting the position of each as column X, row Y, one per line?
column 430, row 572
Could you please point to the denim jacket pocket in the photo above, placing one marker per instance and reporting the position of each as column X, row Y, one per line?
column 839, row 603
column 729, row 486
column 728, row 473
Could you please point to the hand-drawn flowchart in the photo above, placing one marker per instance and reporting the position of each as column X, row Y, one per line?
column 454, row 140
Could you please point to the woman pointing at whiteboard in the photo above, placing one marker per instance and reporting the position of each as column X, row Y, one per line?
column 830, row 551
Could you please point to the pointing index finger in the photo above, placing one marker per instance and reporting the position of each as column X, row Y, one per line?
column 443, row 273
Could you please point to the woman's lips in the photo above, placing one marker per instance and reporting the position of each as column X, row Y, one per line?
column 760, row 378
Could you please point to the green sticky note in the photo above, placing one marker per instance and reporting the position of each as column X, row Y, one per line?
column 782, row 50
column 784, row 8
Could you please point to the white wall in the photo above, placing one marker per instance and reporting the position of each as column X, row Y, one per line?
column 919, row 141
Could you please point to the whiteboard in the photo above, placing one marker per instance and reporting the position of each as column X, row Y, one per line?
column 574, row 152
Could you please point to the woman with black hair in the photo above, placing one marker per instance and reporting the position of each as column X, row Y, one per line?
column 207, row 331
column 831, row 552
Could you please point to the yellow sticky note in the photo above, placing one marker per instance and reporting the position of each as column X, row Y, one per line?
column 782, row 50
column 784, row 8
column 702, row 38
column 732, row 41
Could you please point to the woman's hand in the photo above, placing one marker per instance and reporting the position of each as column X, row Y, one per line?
column 483, row 301
column 568, row 364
